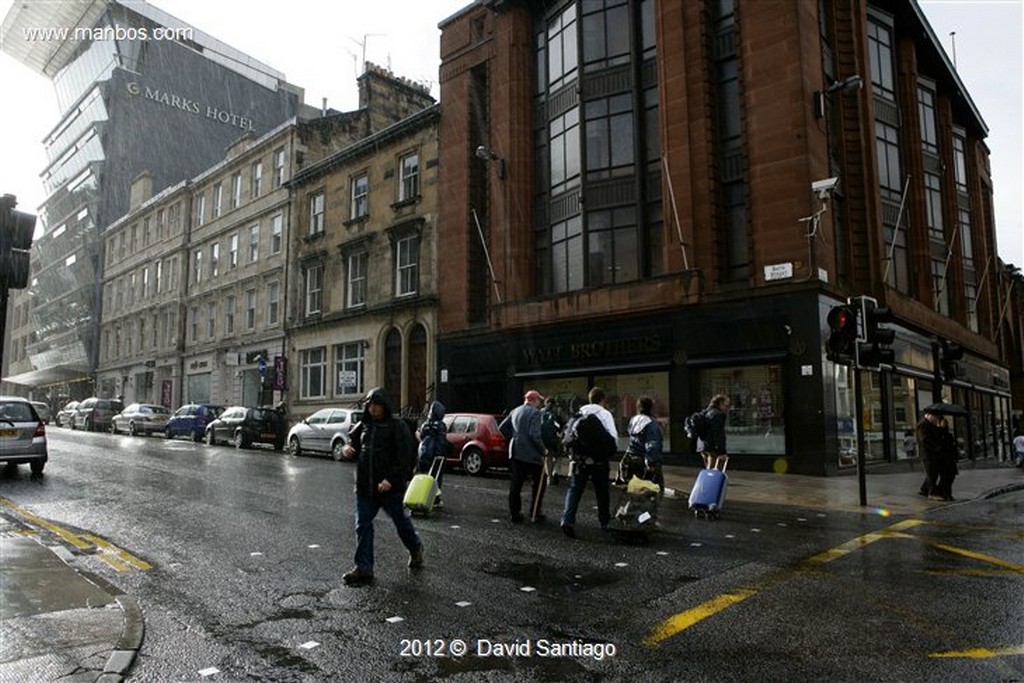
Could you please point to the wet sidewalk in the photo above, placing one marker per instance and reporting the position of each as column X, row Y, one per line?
column 57, row 623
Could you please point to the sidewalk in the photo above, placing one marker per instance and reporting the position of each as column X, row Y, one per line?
column 56, row 624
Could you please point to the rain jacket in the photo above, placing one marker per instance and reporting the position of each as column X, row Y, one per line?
column 645, row 438
column 526, row 443
column 714, row 440
column 384, row 449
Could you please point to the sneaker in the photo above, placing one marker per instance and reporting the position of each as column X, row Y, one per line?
column 358, row 576
column 517, row 519
column 416, row 558
column 935, row 497
column 568, row 531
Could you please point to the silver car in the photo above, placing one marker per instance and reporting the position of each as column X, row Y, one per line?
column 43, row 411
column 22, row 434
column 325, row 431
column 140, row 418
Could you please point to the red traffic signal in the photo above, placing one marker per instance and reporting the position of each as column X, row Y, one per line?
column 842, row 340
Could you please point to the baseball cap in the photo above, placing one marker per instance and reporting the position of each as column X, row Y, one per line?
column 533, row 395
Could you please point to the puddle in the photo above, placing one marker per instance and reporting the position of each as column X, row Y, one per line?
column 551, row 579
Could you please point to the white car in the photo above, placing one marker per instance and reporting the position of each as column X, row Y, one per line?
column 325, row 431
column 140, row 418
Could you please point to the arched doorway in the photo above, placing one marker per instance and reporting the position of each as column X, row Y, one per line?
column 417, row 368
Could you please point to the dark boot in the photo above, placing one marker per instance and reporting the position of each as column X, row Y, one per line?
column 357, row 576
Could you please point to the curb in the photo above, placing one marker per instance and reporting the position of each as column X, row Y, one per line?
column 1002, row 490
column 121, row 659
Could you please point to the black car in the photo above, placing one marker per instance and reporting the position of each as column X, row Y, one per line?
column 244, row 427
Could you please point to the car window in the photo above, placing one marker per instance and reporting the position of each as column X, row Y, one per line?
column 461, row 425
column 355, row 416
column 16, row 411
column 319, row 417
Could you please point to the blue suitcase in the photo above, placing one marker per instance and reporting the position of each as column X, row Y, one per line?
column 708, row 494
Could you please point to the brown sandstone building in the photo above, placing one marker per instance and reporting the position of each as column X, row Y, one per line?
column 668, row 198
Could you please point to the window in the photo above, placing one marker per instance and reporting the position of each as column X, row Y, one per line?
column 197, row 265
column 147, row 231
column 145, row 282
column 360, row 196
column 200, row 209
column 236, row 190
column 273, row 302
column 160, row 226
column 409, row 177
column 256, row 188
column 218, row 198
column 211, row 315
column 313, row 372
column 313, row 278
column 276, row 230
column 215, row 259
column 926, row 117
column 357, row 279
column 564, row 142
column 756, row 421
column 278, row 167
column 605, row 34
column 174, row 219
column 194, row 323
column 250, row 309
column 233, row 251
column 610, row 137
column 158, row 276
column 612, row 240
column 316, row 213
column 880, row 46
column 254, row 242
column 407, row 265
column 349, row 368
column 229, row 314
column 562, row 57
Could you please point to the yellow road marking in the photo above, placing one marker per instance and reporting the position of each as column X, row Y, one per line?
column 970, row 572
column 684, row 620
column 979, row 556
column 115, row 557
column 982, row 652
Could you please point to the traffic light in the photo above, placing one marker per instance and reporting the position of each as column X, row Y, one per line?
column 950, row 353
column 842, row 339
column 875, row 349
column 16, row 229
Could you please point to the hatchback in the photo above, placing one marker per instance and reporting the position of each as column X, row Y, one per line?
column 140, row 418
column 94, row 414
column 191, row 420
column 476, row 444
column 22, row 434
column 244, row 427
column 66, row 415
column 325, row 431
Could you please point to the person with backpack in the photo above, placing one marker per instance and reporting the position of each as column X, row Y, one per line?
column 711, row 437
column 432, row 435
column 526, row 451
column 381, row 444
column 593, row 438
column 643, row 453
column 551, row 433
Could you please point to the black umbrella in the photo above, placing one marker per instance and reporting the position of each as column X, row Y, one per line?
column 946, row 409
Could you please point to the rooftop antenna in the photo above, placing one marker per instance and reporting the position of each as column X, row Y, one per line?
column 952, row 39
column 362, row 44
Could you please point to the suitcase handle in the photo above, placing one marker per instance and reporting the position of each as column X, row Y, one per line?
column 435, row 467
column 723, row 460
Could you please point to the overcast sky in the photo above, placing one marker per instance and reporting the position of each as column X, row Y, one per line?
column 318, row 45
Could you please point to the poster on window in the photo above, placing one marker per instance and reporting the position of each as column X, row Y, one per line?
column 347, row 382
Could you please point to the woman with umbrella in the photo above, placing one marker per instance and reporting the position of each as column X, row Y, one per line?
column 937, row 448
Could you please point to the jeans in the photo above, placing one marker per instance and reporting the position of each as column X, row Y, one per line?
column 598, row 472
column 520, row 470
column 366, row 511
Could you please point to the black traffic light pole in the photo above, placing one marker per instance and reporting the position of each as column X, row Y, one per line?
column 16, row 230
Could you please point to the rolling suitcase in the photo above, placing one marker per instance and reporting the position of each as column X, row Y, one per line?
column 708, row 494
column 422, row 490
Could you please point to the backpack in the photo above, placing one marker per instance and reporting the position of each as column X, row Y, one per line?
column 433, row 442
column 549, row 431
column 697, row 425
column 589, row 439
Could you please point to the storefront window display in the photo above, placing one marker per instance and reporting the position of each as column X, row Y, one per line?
column 199, row 388
column 904, row 411
column 621, row 392
column 756, row 423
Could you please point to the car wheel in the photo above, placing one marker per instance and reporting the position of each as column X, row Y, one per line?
column 210, row 440
column 90, row 426
column 239, row 440
column 37, row 467
column 113, row 428
column 131, row 429
column 473, row 461
column 337, row 450
column 294, row 447
column 197, row 436
column 167, row 433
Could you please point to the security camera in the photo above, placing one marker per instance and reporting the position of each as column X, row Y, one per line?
column 823, row 188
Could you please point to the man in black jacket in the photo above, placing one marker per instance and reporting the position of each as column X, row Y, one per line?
column 382, row 444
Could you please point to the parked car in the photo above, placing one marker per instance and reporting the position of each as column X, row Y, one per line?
column 43, row 411
column 325, row 431
column 191, row 420
column 94, row 414
column 66, row 415
column 22, row 434
column 476, row 444
column 140, row 418
column 244, row 427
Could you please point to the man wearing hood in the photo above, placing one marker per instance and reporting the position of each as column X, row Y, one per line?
column 381, row 444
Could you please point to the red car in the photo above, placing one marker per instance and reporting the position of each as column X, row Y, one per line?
column 475, row 442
